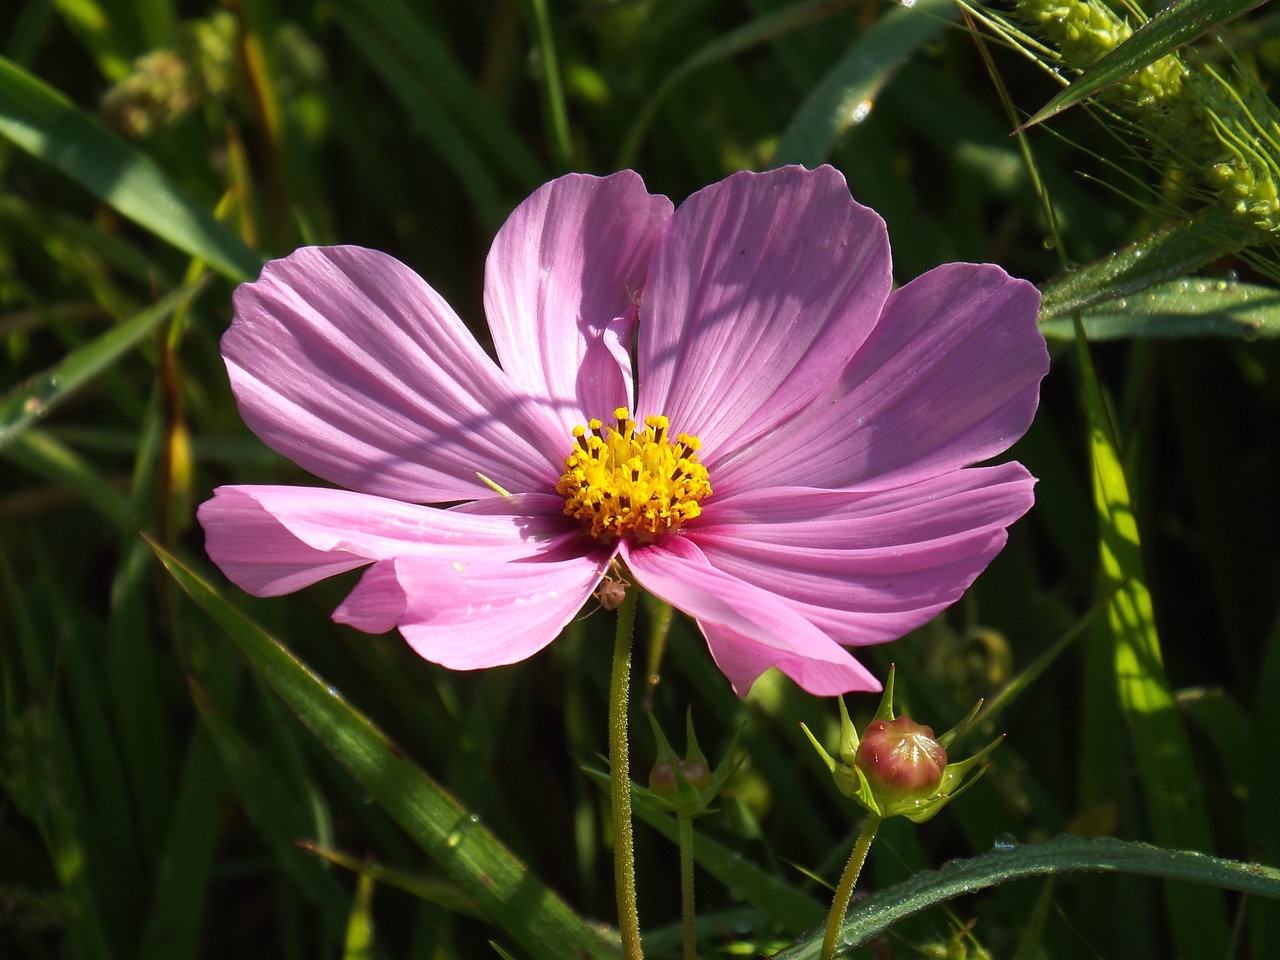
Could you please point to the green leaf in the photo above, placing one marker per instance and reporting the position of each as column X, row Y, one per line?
column 33, row 398
column 484, row 870
column 1160, row 742
column 1173, row 27
column 878, row 912
column 51, row 128
column 1160, row 258
column 1189, row 307
column 790, row 908
column 848, row 91
column 762, row 29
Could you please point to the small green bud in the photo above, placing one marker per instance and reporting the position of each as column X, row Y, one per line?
column 898, row 767
column 901, row 759
column 686, row 786
column 664, row 778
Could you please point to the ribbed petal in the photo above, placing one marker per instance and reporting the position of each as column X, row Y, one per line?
column 748, row 628
column 761, row 288
column 866, row 567
column 348, row 363
column 473, row 613
column 950, row 377
column 562, row 282
column 271, row 540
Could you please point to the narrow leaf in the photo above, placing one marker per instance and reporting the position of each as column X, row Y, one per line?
column 478, row 863
column 35, row 397
column 1191, row 307
column 51, row 128
column 1160, row 258
column 847, row 93
column 1160, row 742
column 1173, row 27
column 878, row 912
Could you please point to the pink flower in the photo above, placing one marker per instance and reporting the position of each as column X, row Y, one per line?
column 809, row 489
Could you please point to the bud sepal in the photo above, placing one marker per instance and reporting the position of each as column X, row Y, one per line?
column 686, row 787
column 898, row 768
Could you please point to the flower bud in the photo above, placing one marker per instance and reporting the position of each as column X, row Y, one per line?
column 901, row 759
column 664, row 778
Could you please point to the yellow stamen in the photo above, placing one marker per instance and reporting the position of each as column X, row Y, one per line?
column 624, row 483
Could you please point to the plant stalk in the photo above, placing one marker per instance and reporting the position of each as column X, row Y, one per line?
column 624, row 861
column 848, row 879
column 686, row 888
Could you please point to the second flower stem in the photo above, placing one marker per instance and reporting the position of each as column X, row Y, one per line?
column 624, row 861
column 848, row 879
column 686, row 889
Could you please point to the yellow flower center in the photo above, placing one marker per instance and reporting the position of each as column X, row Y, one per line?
column 622, row 482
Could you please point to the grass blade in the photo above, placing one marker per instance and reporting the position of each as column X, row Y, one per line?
column 847, row 92
column 1160, row 258
column 1173, row 27
column 482, row 868
column 44, row 123
column 1185, row 308
column 1175, row 806
column 34, row 398
column 1058, row 856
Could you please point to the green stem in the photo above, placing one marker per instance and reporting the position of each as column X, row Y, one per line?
column 686, row 888
column 840, row 905
column 624, row 860
column 552, row 91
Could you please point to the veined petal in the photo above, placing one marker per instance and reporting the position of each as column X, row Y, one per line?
column 271, row 540
column 950, row 376
column 743, row 660
column 867, row 566
column 749, row 629
column 473, row 613
column 348, row 363
column 562, row 282
column 761, row 288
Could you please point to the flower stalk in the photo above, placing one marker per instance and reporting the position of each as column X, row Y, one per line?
column 848, row 880
column 624, row 861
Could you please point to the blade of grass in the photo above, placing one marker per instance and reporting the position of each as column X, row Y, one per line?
column 1171, row 28
column 29, row 401
column 851, row 87
column 481, row 867
column 44, row 123
column 405, row 35
column 430, row 120
column 760, row 30
column 173, row 926
column 1159, row 739
column 1061, row 855
column 1191, row 307
column 1162, row 257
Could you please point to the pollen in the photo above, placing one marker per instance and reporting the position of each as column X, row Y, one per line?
column 621, row 481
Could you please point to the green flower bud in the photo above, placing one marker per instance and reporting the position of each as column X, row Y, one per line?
column 686, row 786
column 897, row 767
column 901, row 759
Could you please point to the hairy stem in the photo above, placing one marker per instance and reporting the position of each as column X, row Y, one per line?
column 848, row 879
column 624, row 865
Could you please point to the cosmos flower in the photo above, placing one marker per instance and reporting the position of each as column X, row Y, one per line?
column 726, row 398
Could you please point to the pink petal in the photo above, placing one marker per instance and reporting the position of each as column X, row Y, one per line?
column 272, row 540
column 866, row 567
column 562, row 282
column 743, row 660
column 348, row 363
column 749, row 629
column 761, row 288
column 473, row 613
column 950, row 376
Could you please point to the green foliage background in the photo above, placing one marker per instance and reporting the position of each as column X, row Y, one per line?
column 154, row 790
